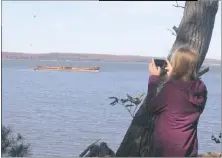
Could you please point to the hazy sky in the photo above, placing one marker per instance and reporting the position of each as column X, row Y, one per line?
column 134, row 28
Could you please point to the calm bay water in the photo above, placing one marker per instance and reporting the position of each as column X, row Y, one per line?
column 61, row 113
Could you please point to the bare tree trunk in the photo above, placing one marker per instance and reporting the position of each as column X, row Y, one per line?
column 196, row 27
column 194, row 31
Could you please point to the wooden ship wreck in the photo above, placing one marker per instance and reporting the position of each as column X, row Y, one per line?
column 74, row 69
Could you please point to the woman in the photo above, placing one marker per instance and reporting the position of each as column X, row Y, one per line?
column 177, row 106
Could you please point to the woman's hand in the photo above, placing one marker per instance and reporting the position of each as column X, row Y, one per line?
column 169, row 69
column 153, row 69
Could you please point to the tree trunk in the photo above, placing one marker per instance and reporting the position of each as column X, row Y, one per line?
column 196, row 27
column 194, row 31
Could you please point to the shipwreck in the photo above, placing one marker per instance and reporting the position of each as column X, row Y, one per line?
column 74, row 69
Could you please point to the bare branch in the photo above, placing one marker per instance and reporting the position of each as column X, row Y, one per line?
column 175, row 29
column 178, row 6
column 205, row 70
column 171, row 32
column 88, row 148
column 128, row 110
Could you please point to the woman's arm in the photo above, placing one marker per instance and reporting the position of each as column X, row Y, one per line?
column 197, row 95
column 205, row 100
column 152, row 85
column 154, row 100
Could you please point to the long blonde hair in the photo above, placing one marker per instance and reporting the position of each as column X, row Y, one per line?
column 184, row 63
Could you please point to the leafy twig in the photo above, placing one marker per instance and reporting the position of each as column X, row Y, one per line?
column 128, row 103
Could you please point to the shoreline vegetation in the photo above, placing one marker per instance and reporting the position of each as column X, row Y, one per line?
column 87, row 57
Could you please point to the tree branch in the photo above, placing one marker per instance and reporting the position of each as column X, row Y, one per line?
column 175, row 29
column 88, row 148
column 172, row 32
column 178, row 6
column 203, row 71
column 128, row 110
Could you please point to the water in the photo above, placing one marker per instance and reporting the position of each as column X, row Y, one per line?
column 61, row 113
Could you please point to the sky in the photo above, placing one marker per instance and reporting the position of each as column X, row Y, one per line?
column 120, row 28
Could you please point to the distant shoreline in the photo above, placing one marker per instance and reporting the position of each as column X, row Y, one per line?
column 86, row 57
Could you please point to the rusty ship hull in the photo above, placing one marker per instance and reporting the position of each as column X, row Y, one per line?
column 74, row 69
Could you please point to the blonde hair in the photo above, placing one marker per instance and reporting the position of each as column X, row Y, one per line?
column 184, row 64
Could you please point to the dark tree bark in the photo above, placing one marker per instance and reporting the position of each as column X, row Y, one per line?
column 194, row 31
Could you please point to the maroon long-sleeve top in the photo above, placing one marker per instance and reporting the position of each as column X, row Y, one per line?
column 177, row 108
